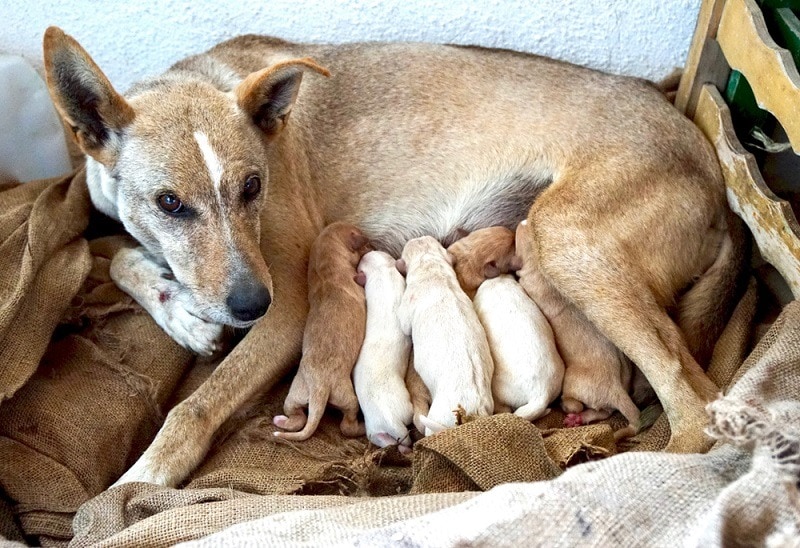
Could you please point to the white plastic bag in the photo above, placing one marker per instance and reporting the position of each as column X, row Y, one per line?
column 32, row 143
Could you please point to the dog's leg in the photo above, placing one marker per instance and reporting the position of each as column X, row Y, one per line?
column 259, row 361
column 169, row 303
column 596, row 271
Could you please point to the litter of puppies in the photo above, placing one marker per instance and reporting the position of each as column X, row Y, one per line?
column 438, row 336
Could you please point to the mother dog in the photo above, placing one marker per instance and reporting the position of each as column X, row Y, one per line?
column 225, row 168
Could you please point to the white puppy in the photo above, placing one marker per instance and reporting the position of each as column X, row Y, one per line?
column 379, row 374
column 451, row 352
column 528, row 369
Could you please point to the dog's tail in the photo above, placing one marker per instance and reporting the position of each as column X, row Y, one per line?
column 316, row 409
column 705, row 308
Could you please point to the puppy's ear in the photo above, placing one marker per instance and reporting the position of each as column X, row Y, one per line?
column 515, row 263
column 269, row 94
column 490, row 270
column 357, row 241
column 82, row 94
column 400, row 265
column 360, row 278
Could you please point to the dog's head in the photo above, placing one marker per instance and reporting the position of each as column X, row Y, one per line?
column 182, row 164
column 485, row 253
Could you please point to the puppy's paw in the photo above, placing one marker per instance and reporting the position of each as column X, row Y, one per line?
column 179, row 318
column 384, row 439
column 573, row 419
column 290, row 424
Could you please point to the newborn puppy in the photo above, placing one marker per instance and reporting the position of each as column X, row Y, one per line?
column 485, row 253
column 379, row 374
column 527, row 367
column 332, row 339
column 451, row 353
column 420, row 395
column 596, row 374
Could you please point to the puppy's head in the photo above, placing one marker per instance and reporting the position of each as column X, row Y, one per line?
column 340, row 241
column 420, row 250
column 485, row 253
column 182, row 164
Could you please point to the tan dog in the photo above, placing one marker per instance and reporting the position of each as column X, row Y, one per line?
column 402, row 140
column 596, row 375
column 333, row 336
column 485, row 253
column 451, row 352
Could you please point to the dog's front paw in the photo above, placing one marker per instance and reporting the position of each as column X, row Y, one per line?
column 176, row 317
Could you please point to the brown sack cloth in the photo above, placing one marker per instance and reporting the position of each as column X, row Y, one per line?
column 109, row 375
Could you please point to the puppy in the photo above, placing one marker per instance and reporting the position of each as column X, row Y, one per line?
column 420, row 395
column 528, row 370
column 451, row 352
column 482, row 254
column 596, row 374
column 333, row 335
column 379, row 373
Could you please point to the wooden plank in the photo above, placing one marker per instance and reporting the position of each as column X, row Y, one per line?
column 702, row 59
column 769, row 218
column 769, row 69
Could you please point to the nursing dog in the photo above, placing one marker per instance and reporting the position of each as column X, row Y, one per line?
column 235, row 159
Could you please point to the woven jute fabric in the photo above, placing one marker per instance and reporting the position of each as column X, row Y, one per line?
column 88, row 377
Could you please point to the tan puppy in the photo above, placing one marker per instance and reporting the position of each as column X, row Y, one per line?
column 451, row 353
column 629, row 209
column 485, row 253
column 333, row 336
column 379, row 374
column 596, row 375
column 528, row 369
column 419, row 393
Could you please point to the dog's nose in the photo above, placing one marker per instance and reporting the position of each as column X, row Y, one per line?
column 248, row 301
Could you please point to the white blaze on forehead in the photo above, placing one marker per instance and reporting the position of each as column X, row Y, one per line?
column 211, row 159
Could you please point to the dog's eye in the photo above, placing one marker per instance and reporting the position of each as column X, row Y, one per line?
column 170, row 203
column 252, row 186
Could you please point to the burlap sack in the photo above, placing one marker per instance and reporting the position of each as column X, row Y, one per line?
column 92, row 399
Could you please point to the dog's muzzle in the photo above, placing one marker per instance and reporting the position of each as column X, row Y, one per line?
column 248, row 301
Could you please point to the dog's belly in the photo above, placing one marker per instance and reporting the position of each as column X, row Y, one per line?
column 442, row 212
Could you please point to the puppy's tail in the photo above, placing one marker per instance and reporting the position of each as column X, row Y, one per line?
column 704, row 310
column 316, row 409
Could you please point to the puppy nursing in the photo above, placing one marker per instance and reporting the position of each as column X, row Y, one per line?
column 451, row 352
column 527, row 367
column 333, row 336
column 596, row 374
column 379, row 374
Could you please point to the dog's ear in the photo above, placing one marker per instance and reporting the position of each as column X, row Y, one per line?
column 400, row 265
column 269, row 94
column 83, row 96
column 515, row 263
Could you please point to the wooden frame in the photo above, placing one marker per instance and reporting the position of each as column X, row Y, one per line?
column 733, row 34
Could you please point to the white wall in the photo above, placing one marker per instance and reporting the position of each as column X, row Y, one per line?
column 130, row 40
